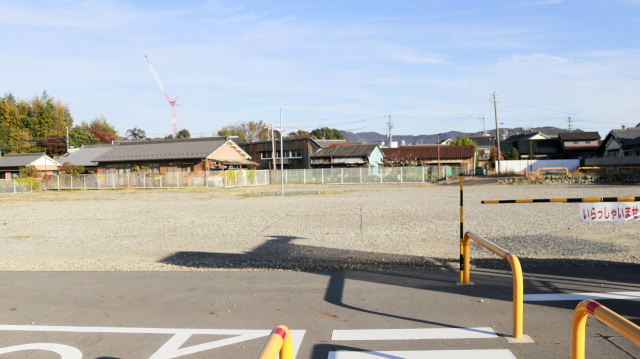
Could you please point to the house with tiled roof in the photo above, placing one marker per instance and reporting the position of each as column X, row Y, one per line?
column 527, row 136
column 620, row 148
column 174, row 155
column 429, row 155
column 85, row 156
column 580, row 144
column 347, row 155
column 10, row 165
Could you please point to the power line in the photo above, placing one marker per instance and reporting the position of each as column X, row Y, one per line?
column 576, row 88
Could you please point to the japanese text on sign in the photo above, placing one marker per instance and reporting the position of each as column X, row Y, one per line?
column 607, row 212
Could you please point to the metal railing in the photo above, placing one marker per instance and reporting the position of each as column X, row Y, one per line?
column 606, row 316
column 554, row 168
column 626, row 168
column 279, row 342
column 593, row 168
column 516, row 270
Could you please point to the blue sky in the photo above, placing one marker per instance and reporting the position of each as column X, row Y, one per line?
column 343, row 64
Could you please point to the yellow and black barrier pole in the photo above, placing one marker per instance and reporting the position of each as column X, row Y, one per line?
column 461, row 230
column 566, row 200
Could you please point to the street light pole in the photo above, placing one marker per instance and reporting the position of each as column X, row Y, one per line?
column 495, row 109
column 439, row 173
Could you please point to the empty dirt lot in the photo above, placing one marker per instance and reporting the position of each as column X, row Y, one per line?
column 313, row 228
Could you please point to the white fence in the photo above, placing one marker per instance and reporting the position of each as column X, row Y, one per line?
column 212, row 179
column 534, row 165
column 12, row 186
column 239, row 178
column 365, row 175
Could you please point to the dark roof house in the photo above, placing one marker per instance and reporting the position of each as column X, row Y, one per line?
column 348, row 155
column 10, row 165
column 175, row 154
column 328, row 143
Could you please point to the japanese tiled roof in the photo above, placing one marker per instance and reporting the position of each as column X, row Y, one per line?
column 19, row 160
column 578, row 136
column 523, row 136
column 190, row 148
column 346, row 151
column 429, row 152
column 327, row 143
column 85, row 155
column 482, row 141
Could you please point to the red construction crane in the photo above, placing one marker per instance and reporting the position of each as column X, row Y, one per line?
column 173, row 103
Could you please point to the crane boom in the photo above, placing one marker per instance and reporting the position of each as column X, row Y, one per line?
column 173, row 103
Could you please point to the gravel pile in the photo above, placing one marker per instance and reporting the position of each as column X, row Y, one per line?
column 314, row 228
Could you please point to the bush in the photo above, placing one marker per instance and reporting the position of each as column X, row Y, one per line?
column 29, row 171
column 31, row 182
column 69, row 169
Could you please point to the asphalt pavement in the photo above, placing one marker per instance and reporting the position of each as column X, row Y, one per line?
column 342, row 315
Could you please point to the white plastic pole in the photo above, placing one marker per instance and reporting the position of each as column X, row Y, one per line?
column 400, row 174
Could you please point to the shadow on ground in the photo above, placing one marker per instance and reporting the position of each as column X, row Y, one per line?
column 541, row 276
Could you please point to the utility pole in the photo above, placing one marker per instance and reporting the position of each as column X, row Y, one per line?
column 273, row 154
column 495, row 109
column 569, row 120
column 281, row 155
column 67, row 139
column 390, row 124
column 484, row 129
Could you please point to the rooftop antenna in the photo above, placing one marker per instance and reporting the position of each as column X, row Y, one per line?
column 173, row 103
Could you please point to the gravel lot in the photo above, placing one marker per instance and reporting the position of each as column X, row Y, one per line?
column 317, row 228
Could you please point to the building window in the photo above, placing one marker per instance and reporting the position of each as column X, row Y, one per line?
column 576, row 142
column 587, row 142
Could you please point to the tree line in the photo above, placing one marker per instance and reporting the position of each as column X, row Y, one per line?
column 40, row 124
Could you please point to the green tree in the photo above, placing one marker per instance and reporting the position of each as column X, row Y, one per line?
column 79, row 136
column 466, row 141
column 327, row 133
column 136, row 133
column 184, row 133
column 514, row 154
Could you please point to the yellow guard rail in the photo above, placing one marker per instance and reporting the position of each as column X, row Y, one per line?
column 516, row 269
column 554, row 168
column 626, row 167
column 603, row 314
column 279, row 342
column 593, row 168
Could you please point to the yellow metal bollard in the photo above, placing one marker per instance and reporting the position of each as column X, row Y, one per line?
column 516, row 270
column 279, row 342
column 461, row 231
column 603, row 314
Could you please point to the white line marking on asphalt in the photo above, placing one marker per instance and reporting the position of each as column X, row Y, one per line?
column 64, row 351
column 406, row 334
column 422, row 354
column 580, row 296
column 171, row 349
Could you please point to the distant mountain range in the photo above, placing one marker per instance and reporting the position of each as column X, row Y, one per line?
column 374, row 137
